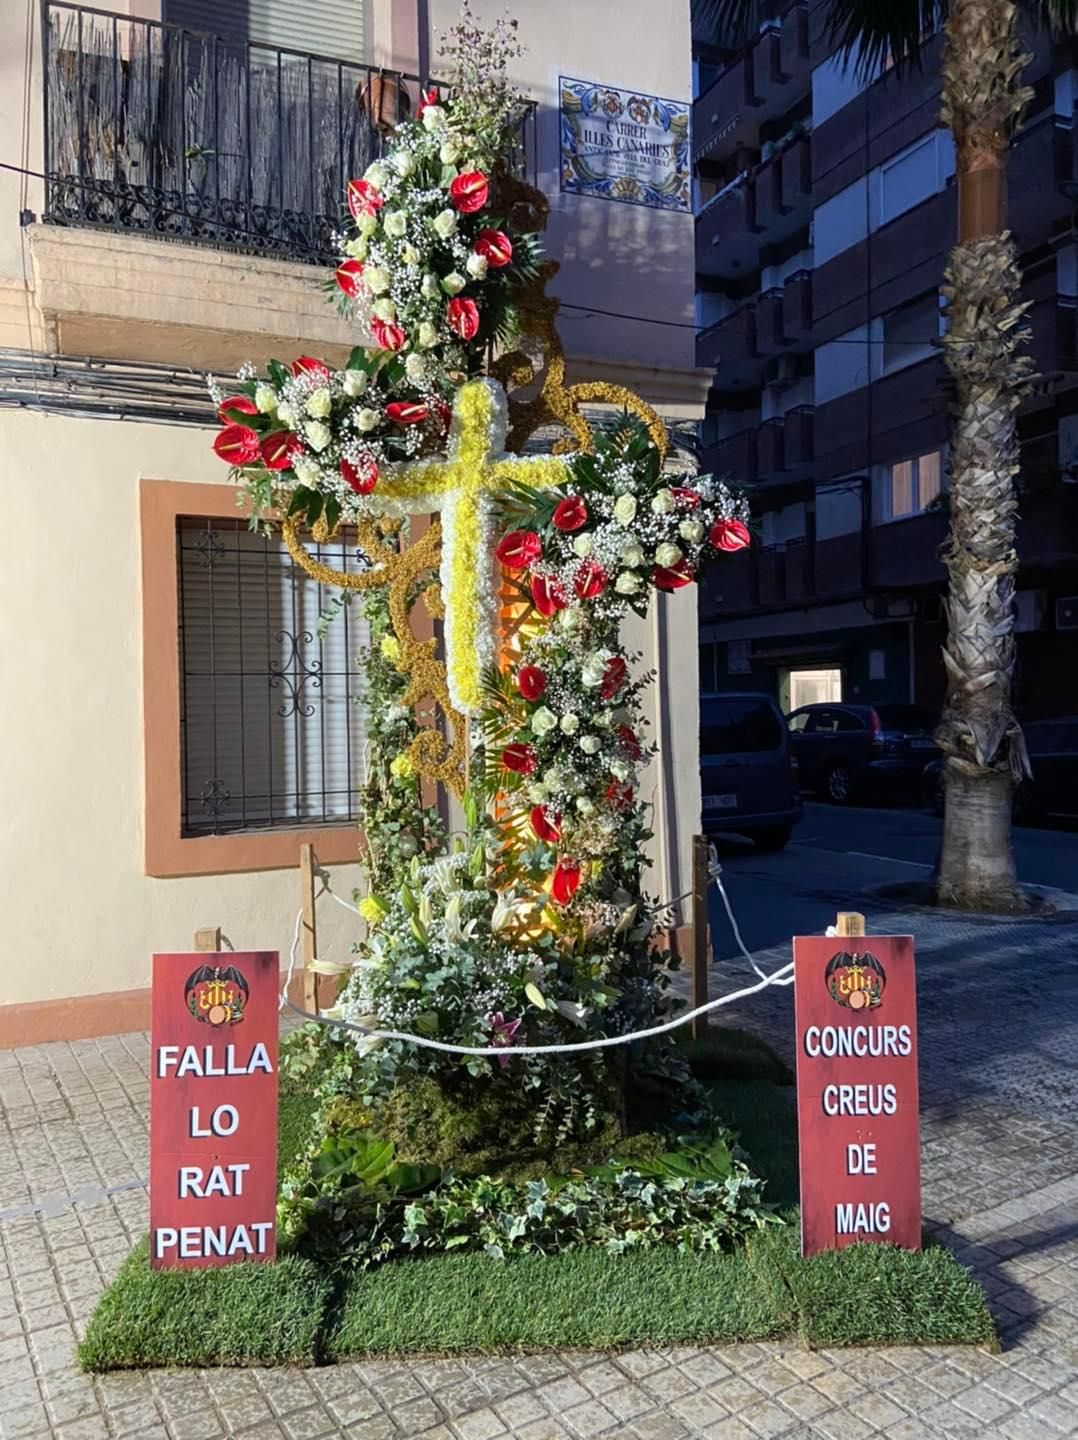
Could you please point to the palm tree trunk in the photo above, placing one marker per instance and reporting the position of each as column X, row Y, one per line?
column 981, row 741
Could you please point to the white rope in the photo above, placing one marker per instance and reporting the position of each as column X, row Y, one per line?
column 714, row 873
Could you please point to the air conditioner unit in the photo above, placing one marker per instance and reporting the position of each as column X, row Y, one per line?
column 1067, row 612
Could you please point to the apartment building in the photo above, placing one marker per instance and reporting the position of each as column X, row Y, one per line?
column 825, row 209
column 175, row 723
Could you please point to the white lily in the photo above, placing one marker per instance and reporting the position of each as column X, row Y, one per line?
column 506, row 909
column 573, row 1011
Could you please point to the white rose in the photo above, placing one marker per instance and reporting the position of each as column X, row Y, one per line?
column 570, row 619
column 625, row 509
column 306, row 470
column 590, row 744
column 429, row 286
column 367, row 419
column 265, row 399
column 476, row 266
column 585, row 806
column 427, row 335
column 668, row 555
column 376, row 175
column 384, row 310
column 453, row 283
column 604, row 719
column 403, row 162
column 356, row 248
column 376, row 279
column 444, row 223
column 592, row 672
column 449, row 152
column 544, row 720
column 285, row 414
column 627, row 583
column 552, row 778
column 433, row 118
column 367, row 225
column 415, row 367
column 663, row 502
column 317, row 435
column 537, row 794
column 354, row 382
column 691, row 530
column 620, row 770
column 410, row 256
column 319, row 403
column 582, row 545
column 632, row 556
column 570, row 723
column 395, row 223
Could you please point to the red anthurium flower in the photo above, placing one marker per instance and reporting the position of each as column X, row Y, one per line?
column 629, row 743
column 686, row 498
column 519, row 549
column 730, row 535
column 590, row 580
column 570, row 513
column 348, row 276
column 565, row 881
column 673, row 577
column 445, row 415
column 495, row 247
column 462, row 317
column 548, row 595
column 613, row 677
column 406, row 412
column 363, row 198
column 469, row 192
column 277, row 449
column 531, row 682
column 237, row 445
column 361, row 477
column 308, row 365
column 233, row 406
column 619, row 795
column 546, row 824
column 427, row 98
column 386, row 335
column 519, row 758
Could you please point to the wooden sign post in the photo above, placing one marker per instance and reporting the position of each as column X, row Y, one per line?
column 213, row 1108
column 857, row 1105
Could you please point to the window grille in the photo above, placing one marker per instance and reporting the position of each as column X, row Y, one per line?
column 272, row 703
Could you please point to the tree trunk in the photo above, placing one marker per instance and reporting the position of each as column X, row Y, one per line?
column 979, row 735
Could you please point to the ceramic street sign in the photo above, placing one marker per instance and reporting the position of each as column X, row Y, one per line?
column 857, row 1108
column 213, row 1109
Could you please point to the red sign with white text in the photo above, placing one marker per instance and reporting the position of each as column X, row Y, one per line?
column 213, row 1109
column 858, row 1124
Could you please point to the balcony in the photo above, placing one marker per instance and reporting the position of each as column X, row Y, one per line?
column 784, row 315
column 730, row 345
column 763, row 206
column 733, row 458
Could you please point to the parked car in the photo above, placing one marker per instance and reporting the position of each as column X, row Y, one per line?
column 748, row 778
column 1052, row 792
column 851, row 751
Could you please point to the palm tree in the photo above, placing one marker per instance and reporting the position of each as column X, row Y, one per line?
column 982, row 98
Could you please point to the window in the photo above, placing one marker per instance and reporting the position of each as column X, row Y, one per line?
column 271, row 713
column 912, row 176
column 818, row 686
column 909, row 332
column 337, row 31
column 798, row 722
column 738, row 726
column 914, row 484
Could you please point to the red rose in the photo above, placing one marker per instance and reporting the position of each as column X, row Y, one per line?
column 307, row 365
column 386, row 335
column 348, row 276
column 469, row 192
column 406, row 412
column 673, row 577
column 233, row 406
column 565, row 880
column 730, row 535
column 546, row 825
column 519, row 758
column 548, row 595
column 613, row 677
column 629, row 743
column 363, row 198
column 237, row 445
column 687, row 499
column 570, row 513
column 619, row 795
column 531, row 682
column 277, row 449
column 519, row 549
column 427, row 98
column 361, row 477
column 495, row 247
column 590, row 580
column 462, row 317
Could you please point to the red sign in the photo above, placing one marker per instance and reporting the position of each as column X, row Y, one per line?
column 213, row 1109
column 857, row 1109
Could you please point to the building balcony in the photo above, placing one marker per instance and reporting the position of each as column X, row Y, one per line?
column 784, row 445
column 733, row 458
column 730, row 341
column 763, row 206
column 784, row 315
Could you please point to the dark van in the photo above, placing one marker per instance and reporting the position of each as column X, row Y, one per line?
column 748, row 781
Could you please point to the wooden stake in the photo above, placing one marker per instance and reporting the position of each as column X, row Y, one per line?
column 700, row 947
column 849, row 922
column 310, row 936
column 208, row 939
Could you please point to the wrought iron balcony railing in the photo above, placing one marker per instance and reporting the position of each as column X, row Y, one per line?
column 205, row 138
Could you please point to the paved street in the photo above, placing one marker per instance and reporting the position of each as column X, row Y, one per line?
column 999, row 1040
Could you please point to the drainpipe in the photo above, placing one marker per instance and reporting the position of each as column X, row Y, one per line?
column 666, row 791
column 422, row 13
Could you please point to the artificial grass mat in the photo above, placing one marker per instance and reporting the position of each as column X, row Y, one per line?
column 297, row 1312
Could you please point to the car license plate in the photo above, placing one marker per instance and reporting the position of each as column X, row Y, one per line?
column 925, row 744
column 720, row 802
